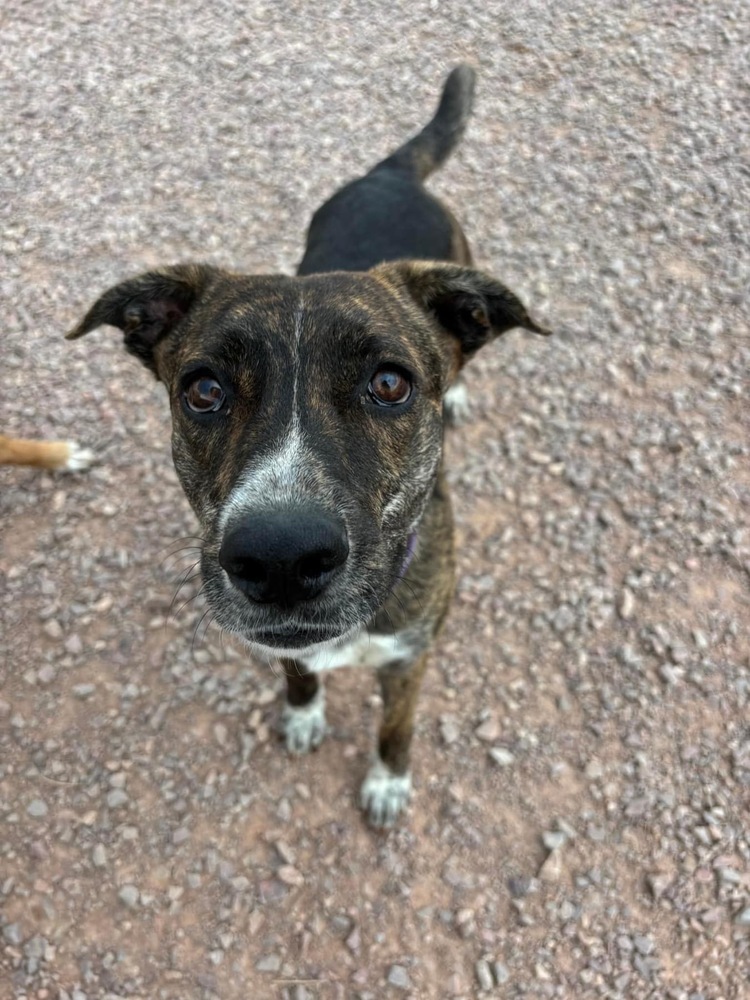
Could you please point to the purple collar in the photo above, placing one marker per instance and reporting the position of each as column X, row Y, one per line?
column 411, row 548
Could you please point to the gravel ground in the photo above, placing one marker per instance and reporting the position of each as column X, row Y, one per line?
column 580, row 825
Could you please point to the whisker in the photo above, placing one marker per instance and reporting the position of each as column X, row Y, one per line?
column 185, row 543
column 190, row 600
column 188, row 576
column 206, row 614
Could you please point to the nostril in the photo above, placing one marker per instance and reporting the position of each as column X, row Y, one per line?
column 252, row 570
column 313, row 566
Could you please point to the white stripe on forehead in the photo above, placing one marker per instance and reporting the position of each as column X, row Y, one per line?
column 286, row 475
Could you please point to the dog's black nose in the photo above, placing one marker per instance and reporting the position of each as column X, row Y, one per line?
column 284, row 557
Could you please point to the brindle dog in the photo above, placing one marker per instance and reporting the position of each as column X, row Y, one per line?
column 308, row 419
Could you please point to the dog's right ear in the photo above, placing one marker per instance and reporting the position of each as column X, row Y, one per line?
column 149, row 307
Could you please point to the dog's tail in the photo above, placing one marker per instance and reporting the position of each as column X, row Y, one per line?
column 429, row 148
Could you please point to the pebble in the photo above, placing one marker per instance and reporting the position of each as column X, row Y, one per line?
column 53, row 629
column 37, row 808
column 626, row 607
column 289, row 875
column 83, row 691
column 46, row 674
column 553, row 839
column 501, row 973
column 488, row 731
column 398, row 976
column 12, row 934
column 551, row 868
column 501, row 756
column 658, row 884
column 73, row 644
column 644, row 945
column 450, row 731
column 129, row 895
column 99, row 856
column 269, row 963
column 484, row 975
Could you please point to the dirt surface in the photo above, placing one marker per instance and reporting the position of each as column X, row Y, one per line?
column 581, row 824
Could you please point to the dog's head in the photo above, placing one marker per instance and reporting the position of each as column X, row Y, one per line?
column 307, row 425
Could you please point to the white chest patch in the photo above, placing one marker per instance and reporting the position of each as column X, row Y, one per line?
column 363, row 650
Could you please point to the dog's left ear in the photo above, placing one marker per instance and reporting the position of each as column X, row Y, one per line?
column 148, row 307
column 467, row 304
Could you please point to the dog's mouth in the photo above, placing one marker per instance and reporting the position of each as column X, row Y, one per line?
column 292, row 637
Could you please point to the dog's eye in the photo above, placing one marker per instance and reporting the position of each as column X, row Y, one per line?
column 389, row 387
column 204, row 395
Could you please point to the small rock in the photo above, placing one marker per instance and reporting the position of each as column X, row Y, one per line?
column 399, row 977
column 657, row 883
column 116, row 798
column 564, row 619
column 484, row 975
column 501, row 756
column 520, row 885
column 99, row 856
column 129, row 895
column 643, row 944
column 12, row 934
column 742, row 919
column 289, row 875
column 488, row 731
column 73, row 644
column 553, row 840
column 83, row 691
column 285, row 852
column 269, row 963
column 626, row 607
column 669, row 674
column 37, row 808
column 46, row 674
column 449, row 729
column 53, row 629
column 354, row 941
column 551, row 867
column 500, row 973
column 593, row 770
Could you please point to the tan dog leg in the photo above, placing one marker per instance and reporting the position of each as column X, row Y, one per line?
column 44, row 454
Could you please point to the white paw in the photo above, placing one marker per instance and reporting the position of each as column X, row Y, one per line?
column 78, row 458
column 456, row 406
column 384, row 795
column 305, row 726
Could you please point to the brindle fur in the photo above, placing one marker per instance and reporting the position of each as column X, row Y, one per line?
column 295, row 355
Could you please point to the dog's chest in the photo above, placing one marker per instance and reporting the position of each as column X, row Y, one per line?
column 365, row 649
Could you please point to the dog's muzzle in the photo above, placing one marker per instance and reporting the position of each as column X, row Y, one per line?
column 284, row 557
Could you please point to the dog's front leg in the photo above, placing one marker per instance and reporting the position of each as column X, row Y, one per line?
column 303, row 718
column 387, row 788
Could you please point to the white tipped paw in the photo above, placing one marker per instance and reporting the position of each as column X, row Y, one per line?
column 384, row 795
column 304, row 726
column 78, row 458
column 456, row 405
